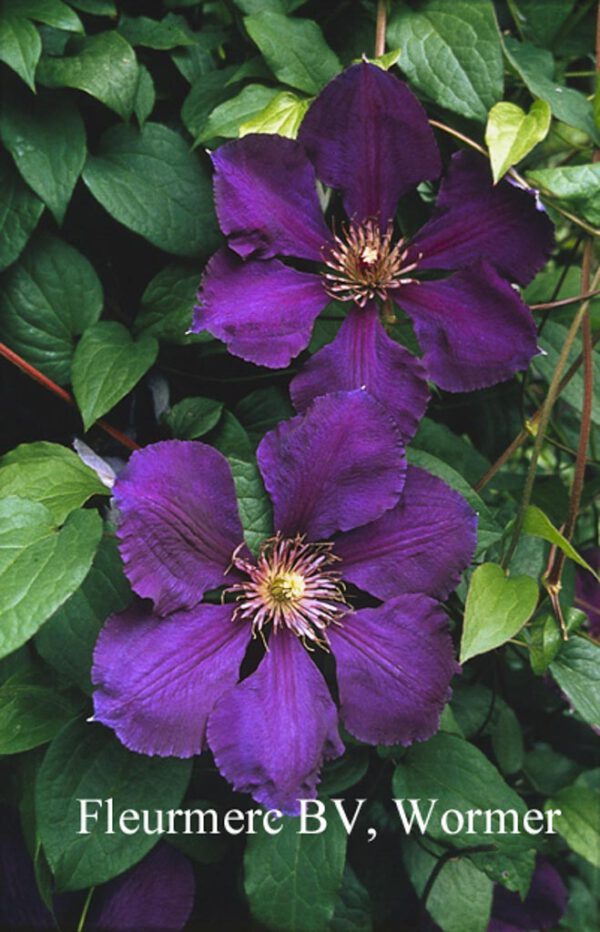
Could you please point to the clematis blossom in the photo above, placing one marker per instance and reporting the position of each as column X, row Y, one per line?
column 367, row 137
column 542, row 908
column 349, row 517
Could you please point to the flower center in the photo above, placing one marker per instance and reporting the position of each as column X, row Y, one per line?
column 365, row 263
column 293, row 586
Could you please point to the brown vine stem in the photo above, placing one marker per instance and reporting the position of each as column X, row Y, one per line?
column 42, row 379
column 544, row 418
column 553, row 580
column 380, row 28
column 564, row 302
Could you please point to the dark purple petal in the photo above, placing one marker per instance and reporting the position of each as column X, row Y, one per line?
column 394, row 665
column 334, row 468
column 263, row 311
column 363, row 356
column 542, row 908
column 179, row 522
column 422, row 545
column 271, row 734
column 475, row 219
column 369, row 137
column 266, row 198
column 587, row 590
column 473, row 327
column 157, row 679
column 158, row 893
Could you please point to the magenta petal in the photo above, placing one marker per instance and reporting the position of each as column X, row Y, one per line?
column 422, row 545
column 158, row 893
column 179, row 522
column 394, row 665
column 369, row 137
column 263, row 311
column 266, row 198
column 334, row 468
column 475, row 219
column 363, row 356
column 473, row 327
column 157, row 679
column 271, row 734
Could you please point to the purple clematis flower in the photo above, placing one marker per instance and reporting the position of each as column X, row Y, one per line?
column 542, row 908
column 168, row 679
column 368, row 138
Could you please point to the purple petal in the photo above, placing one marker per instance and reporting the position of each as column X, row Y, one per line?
column 271, row 734
column 157, row 679
column 263, row 311
column 334, row 468
column 369, row 137
column 394, row 665
column 473, row 327
column 158, row 893
column 587, row 590
column 266, row 198
column 422, row 545
column 179, row 522
column 475, row 219
column 363, row 356
column 542, row 908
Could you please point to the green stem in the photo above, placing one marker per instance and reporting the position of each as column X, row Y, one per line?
column 84, row 911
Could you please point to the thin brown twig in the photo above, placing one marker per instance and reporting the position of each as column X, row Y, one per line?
column 42, row 379
column 564, row 302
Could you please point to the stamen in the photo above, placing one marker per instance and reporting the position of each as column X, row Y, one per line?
column 291, row 586
column 363, row 263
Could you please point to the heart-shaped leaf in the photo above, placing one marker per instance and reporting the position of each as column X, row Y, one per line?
column 511, row 133
column 497, row 607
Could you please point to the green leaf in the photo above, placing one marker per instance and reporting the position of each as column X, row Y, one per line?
column 507, row 741
column 96, row 7
column 552, row 340
column 40, row 567
column 231, row 439
column 451, row 53
column 577, row 672
column 31, row 715
column 262, row 410
column 48, row 297
column 292, row 880
column 226, row 119
column 46, row 137
column 497, row 607
column 488, row 531
column 458, row 452
column 193, row 417
column 538, row 524
column 576, row 188
column 461, row 897
column 51, row 12
column 86, row 761
column 353, row 907
column 544, row 640
column 511, row 133
column 294, row 49
column 20, row 211
column 579, row 822
column 536, row 68
column 145, row 96
column 253, row 502
column 68, row 638
column 107, row 364
column 150, row 182
column 20, row 47
column 168, row 304
column 205, row 95
column 541, row 20
column 457, row 775
column 51, row 474
column 168, row 33
column 103, row 66
column 345, row 771
column 282, row 116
